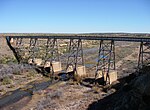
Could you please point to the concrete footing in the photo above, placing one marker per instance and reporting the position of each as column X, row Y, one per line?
column 47, row 64
column 99, row 74
column 30, row 61
column 11, row 40
column 56, row 66
column 112, row 76
column 69, row 69
column 81, row 71
column 37, row 61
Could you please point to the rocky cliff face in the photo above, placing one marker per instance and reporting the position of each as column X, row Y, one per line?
column 137, row 97
column 134, row 95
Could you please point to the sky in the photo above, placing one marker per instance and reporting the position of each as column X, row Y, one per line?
column 74, row 16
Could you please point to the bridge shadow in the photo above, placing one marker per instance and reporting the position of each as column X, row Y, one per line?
column 108, row 102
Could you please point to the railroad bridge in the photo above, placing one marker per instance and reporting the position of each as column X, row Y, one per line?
column 28, row 48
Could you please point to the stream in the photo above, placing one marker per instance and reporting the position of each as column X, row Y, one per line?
column 20, row 93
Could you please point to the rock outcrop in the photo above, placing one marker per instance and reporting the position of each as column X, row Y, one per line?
column 134, row 95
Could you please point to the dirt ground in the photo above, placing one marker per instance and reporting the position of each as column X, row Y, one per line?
column 36, row 92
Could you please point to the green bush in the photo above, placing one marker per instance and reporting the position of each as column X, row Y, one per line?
column 8, row 59
column 6, row 80
column 32, row 73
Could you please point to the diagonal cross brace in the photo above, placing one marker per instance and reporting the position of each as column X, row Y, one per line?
column 75, row 57
column 106, row 58
column 144, row 54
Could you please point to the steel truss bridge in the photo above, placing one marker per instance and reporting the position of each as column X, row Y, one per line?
column 50, row 51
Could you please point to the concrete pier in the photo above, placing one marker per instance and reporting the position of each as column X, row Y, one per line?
column 56, row 66
column 112, row 76
column 37, row 61
column 81, row 71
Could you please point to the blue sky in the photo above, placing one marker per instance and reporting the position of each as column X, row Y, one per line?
column 74, row 16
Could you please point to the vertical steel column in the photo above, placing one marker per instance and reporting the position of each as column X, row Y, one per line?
column 8, row 39
column 52, row 53
column 18, row 48
column 52, row 50
column 140, row 60
column 32, row 46
column 106, row 59
column 18, row 42
column 75, row 56
column 144, row 54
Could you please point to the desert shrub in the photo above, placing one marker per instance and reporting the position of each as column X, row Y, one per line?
column 7, row 59
column 3, row 61
column 56, row 94
column 2, row 90
column 6, row 80
column 32, row 73
column 17, row 72
column 48, row 102
column 5, row 72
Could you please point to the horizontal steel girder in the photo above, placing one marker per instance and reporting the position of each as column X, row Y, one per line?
column 91, row 37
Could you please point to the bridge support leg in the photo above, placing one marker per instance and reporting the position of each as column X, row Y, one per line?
column 18, row 46
column 144, row 54
column 52, row 56
column 52, row 50
column 106, row 60
column 32, row 46
column 75, row 58
column 9, row 42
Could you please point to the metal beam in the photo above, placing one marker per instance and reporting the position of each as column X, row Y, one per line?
column 106, row 59
column 75, row 57
column 91, row 37
column 52, row 50
column 144, row 54
column 32, row 46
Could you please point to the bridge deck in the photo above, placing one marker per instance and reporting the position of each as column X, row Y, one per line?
column 92, row 37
